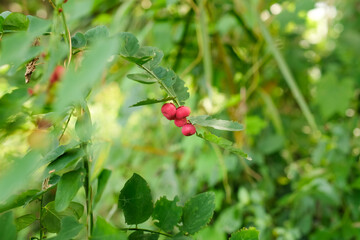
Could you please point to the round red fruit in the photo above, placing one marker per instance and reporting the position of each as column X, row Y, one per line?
column 180, row 122
column 57, row 74
column 182, row 112
column 188, row 129
column 169, row 111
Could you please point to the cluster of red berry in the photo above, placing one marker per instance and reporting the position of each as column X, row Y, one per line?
column 179, row 116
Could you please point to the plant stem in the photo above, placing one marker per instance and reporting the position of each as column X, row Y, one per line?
column 41, row 226
column 145, row 230
column 66, row 124
column 88, row 194
column 285, row 70
column 68, row 36
column 161, row 84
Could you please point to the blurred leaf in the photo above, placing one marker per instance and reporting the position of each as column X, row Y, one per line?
column 129, row 44
column 18, row 200
column 135, row 200
column 167, row 213
column 78, row 40
column 151, row 101
column 269, row 144
column 105, row 231
column 327, row 89
column 198, row 212
column 5, row 14
column 7, row 226
column 246, row 234
column 230, row 219
column 208, row 121
column 64, row 160
column 222, row 142
column 95, row 34
column 180, row 236
column 68, row 186
column 83, row 125
column 70, row 228
column 102, row 181
column 51, row 219
column 142, row 78
column 24, row 221
column 16, row 21
column 11, row 104
column 140, row 235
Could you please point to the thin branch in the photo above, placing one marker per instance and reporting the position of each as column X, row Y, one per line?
column 145, row 230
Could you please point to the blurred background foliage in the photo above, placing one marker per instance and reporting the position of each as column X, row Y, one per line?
column 303, row 181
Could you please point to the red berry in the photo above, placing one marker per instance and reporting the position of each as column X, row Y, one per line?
column 180, row 122
column 182, row 112
column 169, row 111
column 57, row 74
column 188, row 129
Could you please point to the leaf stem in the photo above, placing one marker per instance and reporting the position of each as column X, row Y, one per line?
column 68, row 36
column 161, row 84
column 66, row 124
column 145, row 230
column 88, row 194
column 41, row 225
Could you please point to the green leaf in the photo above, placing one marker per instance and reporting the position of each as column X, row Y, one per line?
column 179, row 236
column 138, row 60
column 64, row 160
column 1, row 24
column 129, row 44
column 167, row 213
column 16, row 22
column 68, row 186
column 327, row 89
column 70, row 228
column 222, row 142
column 97, row 33
column 83, row 125
column 155, row 54
column 246, row 234
column 198, row 212
column 51, row 219
column 105, row 231
column 225, row 125
column 167, row 76
column 7, row 226
column 24, row 221
column 5, row 14
column 78, row 40
column 135, row 200
column 102, row 180
column 18, row 200
column 58, row 151
column 142, row 78
column 151, row 101
column 140, row 235
column 180, row 90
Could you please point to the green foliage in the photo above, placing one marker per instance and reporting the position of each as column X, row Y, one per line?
column 150, row 101
column 129, row 44
column 207, row 121
column 70, row 227
column 104, row 231
column 15, row 22
column 24, row 221
column 246, row 234
column 140, row 235
column 103, row 179
column 135, row 200
column 79, row 40
column 7, row 226
column 141, row 78
column 167, row 213
column 198, row 212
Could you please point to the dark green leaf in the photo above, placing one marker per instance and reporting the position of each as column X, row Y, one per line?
column 58, row 151
column 51, row 219
column 140, row 235
column 167, row 213
column 18, row 200
column 97, row 33
column 135, row 200
column 222, row 142
column 70, row 227
column 105, row 231
column 24, row 221
column 102, row 181
column 138, row 60
column 142, row 78
column 64, row 160
column 16, row 22
column 179, row 236
column 129, row 44
column 68, row 186
column 1, row 24
column 207, row 121
column 246, row 234
column 78, row 40
column 180, row 90
column 7, row 226
column 166, row 76
column 150, row 101
column 155, row 54
column 198, row 212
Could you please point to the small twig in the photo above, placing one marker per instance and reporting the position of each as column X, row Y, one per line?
column 145, row 230
column 66, row 124
column 68, row 36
